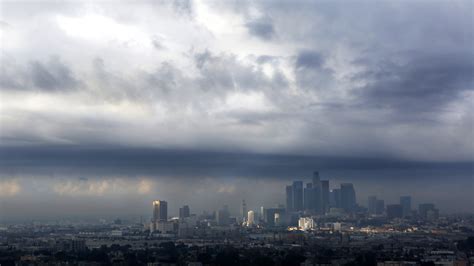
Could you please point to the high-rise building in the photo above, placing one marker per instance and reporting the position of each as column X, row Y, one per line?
column 348, row 197
column 160, row 210
column 289, row 198
column 250, row 218
column 372, row 204
column 243, row 211
column 317, row 196
column 336, row 195
column 379, row 207
column 269, row 215
column 184, row 212
column 405, row 201
column 325, row 196
column 428, row 211
column 223, row 216
column 308, row 197
column 297, row 195
column 394, row 211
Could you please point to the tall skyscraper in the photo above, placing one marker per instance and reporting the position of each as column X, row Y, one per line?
column 160, row 210
column 337, row 197
column 184, row 211
column 308, row 197
column 348, row 198
column 250, row 218
column 405, row 201
column 372, row 204
column 325, row 196
column 223, row 216
column 243, row 210
column 297, row 195
column 428, row 209
column 289, row 198
column 317, row 196
column 379, row 207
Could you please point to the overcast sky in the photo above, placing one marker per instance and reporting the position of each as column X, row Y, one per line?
column 344, row 80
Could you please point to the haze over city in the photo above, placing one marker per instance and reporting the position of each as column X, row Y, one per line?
column 107, row 106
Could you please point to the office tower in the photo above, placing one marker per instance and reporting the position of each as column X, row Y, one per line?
column 337, row 197
column 428, row 211
column 269, row 215
column 289, row 198
column 184, row 212
column 405, row 201
column 243, row 210
column 297, row 195
column 251, row 218
column 394, row 211
column 348, row 198
column 325, row 196
column 372, row 204
column 316, row 179
column 379, row 207
column 317, row 204
column 308, row 197
column 223, row 216
column 160, row 210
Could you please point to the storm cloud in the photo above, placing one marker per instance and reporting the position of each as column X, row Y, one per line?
column 235, row 89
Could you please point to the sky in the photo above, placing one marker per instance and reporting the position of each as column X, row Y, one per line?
column 137, row 100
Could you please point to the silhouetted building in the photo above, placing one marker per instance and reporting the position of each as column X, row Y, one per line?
column 379, row 207
column 325, row 196
column 297, row 195
column 405, row 201
column 223, row 216
column 308, row 197
column 289, row 198
column 348, row 197
column 160, row 210
column 372, row 204
column 394, row 211
column 317, row 204
column 184, row 212
column 336, row 198
column 270, row 216
column 243, row 211
column 428, row 211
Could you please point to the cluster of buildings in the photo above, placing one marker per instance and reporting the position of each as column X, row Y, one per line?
column 316, row 226
column 305, row 204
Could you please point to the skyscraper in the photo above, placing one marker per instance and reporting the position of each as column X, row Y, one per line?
column 317, row 203
column 250, row 218
column 243, row 210
column 289, row 198
column 348, row 198
column 223, row 216
column 297, row 195
column 325, row 196
column 184, row 211
column 337, row 197
column 405, row 201
column 372, row 204
column 160, row 210
column 379, row 207
column 308, row 197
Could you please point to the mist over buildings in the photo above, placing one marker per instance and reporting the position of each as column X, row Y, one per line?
column 105, row 106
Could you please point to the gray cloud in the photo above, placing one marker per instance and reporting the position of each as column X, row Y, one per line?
column 261, row 28
column 388, row 80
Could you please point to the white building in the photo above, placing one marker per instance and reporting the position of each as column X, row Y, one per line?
column 250, row 218
column 306, row 223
